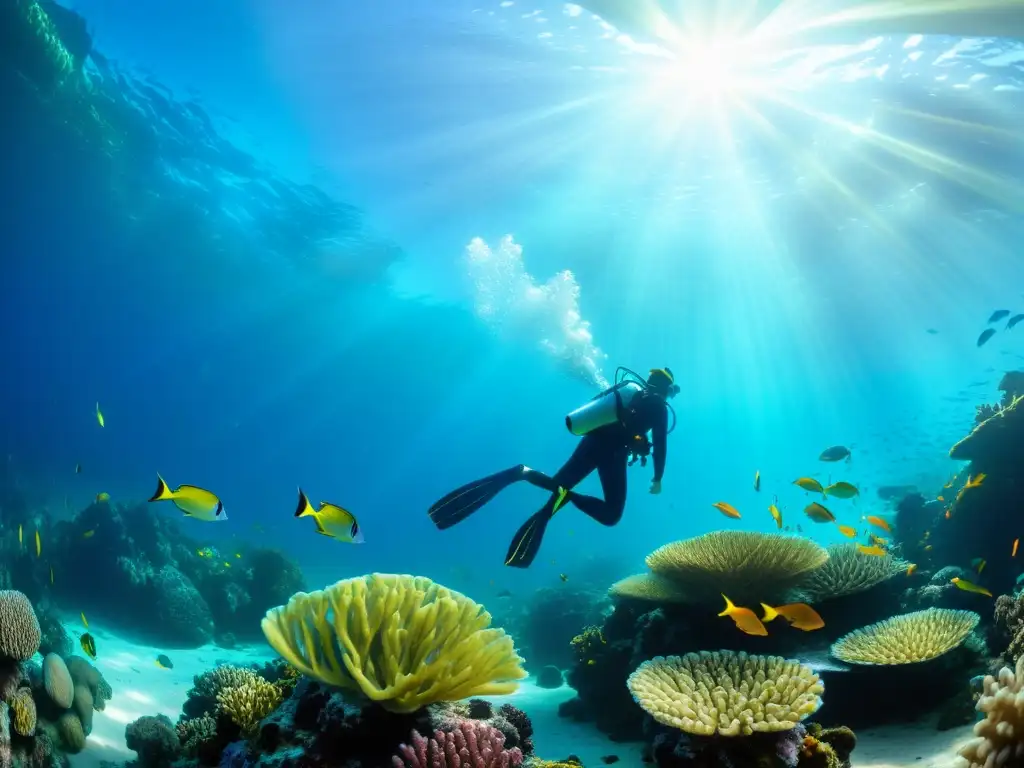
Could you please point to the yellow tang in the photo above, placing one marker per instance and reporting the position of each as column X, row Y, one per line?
column 842, row 490
column 331, row 520
column 809, row 484
column 197, row 503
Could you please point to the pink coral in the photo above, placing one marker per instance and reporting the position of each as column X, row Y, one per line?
column 471, row 745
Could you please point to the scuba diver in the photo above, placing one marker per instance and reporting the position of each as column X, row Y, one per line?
column 613, row 426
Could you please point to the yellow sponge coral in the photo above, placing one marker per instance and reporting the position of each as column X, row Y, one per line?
column 249, row 703
column 726, row 693
column 999, row 738
column 403, row 641
column 907, row 639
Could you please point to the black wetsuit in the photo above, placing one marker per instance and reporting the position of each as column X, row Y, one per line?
column 606, row 449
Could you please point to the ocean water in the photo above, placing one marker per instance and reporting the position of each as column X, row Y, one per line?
column 379, row 250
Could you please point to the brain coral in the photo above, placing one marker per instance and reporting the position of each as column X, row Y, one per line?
column 72, row 735
column 403, row 641
column 907, row 639
column 743, row 564
column 57, row 681
column 19, row 628
column 726, row 693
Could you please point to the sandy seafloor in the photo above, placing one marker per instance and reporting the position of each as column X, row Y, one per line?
column 141, row 687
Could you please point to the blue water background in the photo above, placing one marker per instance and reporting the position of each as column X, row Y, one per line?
column 251, row 373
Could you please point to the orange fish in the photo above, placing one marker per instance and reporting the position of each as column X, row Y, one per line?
column 726, row 509
column 878, row 541
column 949, row 513
column 799, row 615
column 911, row 568
column 818, row 513
column 873, row 551
column 879, row 523
column 848, row 531
column 972, row 482
column 967, row 586
column 745, row 619
column 1015, row 543
column 773, row 510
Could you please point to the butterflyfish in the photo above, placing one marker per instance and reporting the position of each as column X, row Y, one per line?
column 726, row 509
column 331, row 520
column 745, row 619
column 799, row 615
column 197, row 503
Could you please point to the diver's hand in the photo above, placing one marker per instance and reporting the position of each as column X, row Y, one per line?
column 656, row 487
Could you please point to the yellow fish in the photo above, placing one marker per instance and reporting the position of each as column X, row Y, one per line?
column 848, row 531
column 873, row 551
column 773, row 510
column 331, row 520
column 197, row 503
column 799, row 615
column 1016, row 542
column 85, row 621
column 878, row 541
column 39, row 544
column 818, row 513
column 809, row 484
column 227, row 564
column 757, row 480
column 879, row 523
column 88, row 534
column 744, row 618
column 911, row 568
column 238, row 555
column 928, row 548
column 967, row 586
column 726, row 509
column 972, row 482
column 20, row 538
column 88, row 645
column 99, row 416
column 102, row 496
column 979, row 564
column 842, row 490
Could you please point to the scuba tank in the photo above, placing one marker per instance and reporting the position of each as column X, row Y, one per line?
column 610, row 405
column 604, row 409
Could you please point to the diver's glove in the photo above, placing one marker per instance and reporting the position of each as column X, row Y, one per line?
column 656, row 487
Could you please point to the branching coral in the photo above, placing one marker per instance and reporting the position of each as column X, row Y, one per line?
column 846, row 572
column 19, row 628
column 726, row 693
column 249, row 703
column 403, row 641
column 743, row 564
column 999, row 738
column 471, row 745
column 907, row 639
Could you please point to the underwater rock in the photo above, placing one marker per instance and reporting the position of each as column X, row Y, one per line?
column 549, row 676
column 154, row 739
column 1007, row 630
column 545, row 623
column 182, row 612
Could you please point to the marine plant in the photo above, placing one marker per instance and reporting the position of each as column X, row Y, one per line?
column 907, row 639
column 726, row 693
column 402, row 641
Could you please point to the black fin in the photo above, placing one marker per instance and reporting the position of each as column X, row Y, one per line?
column 303, row 503
column 161, row 486
column 526, row 543
column 464, row 501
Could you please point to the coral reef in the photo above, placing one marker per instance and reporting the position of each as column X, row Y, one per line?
column 999, row 738
column 404, row 641
column 847, row 572
column 1007, row 630
column 169, row 588
column 726, row 693
column 470, row 745
column 314, row 721
column 907, row 639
